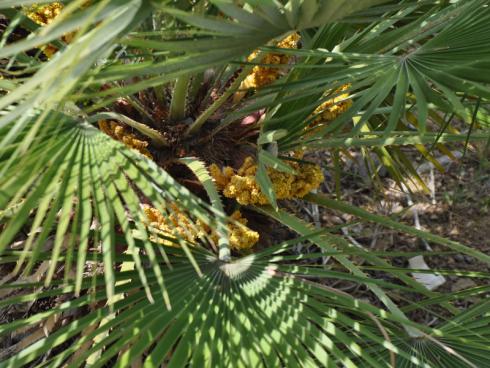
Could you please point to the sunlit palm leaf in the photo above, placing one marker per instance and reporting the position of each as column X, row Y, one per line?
column 389, row 64
column 251, row 312
column 88, row 177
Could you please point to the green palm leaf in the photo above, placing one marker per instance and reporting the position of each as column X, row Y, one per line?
column 88, row 177
column 250, row 312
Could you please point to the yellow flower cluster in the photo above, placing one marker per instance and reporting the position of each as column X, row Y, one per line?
column 44, row 14
column 264, row 75
column 244, row 188
column 241, row 237
column 330, row 109
column 177, row 224
column 120, row 133
column 221, row 177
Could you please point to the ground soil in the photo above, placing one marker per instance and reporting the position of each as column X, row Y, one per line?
column 457, row 207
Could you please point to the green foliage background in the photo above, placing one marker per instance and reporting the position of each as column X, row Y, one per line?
column 189, row 306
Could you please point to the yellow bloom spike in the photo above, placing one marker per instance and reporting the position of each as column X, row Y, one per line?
column 243, row 187
column 44, row 14
column 241, row 237
column 332, row 108
column 290, row 42
column 120, row 133
column 221, row 178
column 177, row 224
column 264, row 75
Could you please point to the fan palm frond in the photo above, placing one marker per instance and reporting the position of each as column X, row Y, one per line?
column 74, row 201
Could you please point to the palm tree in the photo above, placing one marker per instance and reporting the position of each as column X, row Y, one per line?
column 142, row 141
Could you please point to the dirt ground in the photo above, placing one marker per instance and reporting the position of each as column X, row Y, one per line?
column 457, row 207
